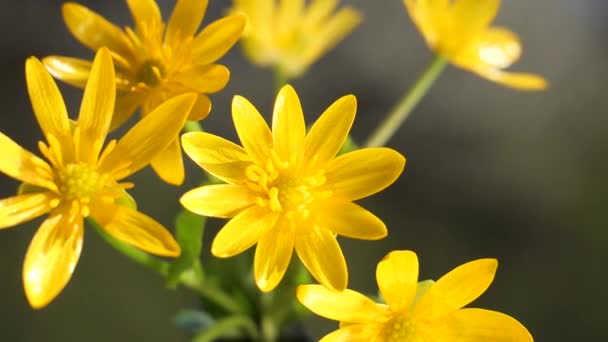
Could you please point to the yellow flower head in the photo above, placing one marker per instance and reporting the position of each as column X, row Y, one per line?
column 78, row 179
column 287, row 189
column 154, row 61
column 460, row 31
column 290, row 36
column 431, row 312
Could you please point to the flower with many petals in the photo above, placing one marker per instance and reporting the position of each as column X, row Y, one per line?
column 290, row 36
column 460, row 31
column 154, row 62
column 80, row 179
column 430, row 312
column 287, row 190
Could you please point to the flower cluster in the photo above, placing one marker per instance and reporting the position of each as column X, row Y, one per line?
column 284, row 188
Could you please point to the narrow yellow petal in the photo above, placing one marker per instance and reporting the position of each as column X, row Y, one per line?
column 48, row 106
column 185, row 20
column 218, row 156
column 169, row 164
column 478, row 325
column 201, row 108
column 97, row 107
column 125, row 106
column 150, row 136
column 431, row 17
column 206, row 79
column 93, row 31
column 516, row 80
column 252, row 130
column 19, row 163
column 288, row 12
column 243, row 231
column 146, row 15
column 134, row 228
column 217, row 38
column 469, row 18
column 496, row 47
column 346, row 306
column 223, row 200
column 322, row 256
column 73, row 71
column 329, row 132
column 22, row 208
column 456, row 289
column 317, row 12
column 288, row 127
column 273, row 254
column 51, row 257
column 397, row 277
column 364, row 172
column 355, row 333
column 347, row 219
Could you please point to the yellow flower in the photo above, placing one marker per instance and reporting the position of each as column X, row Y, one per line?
column 284, row 34
column 287, row 189
column 153, row 63
column 459, row 30
column 78, row 180
column 431, row 312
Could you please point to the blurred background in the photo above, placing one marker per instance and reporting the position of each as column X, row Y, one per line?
column 491, row 172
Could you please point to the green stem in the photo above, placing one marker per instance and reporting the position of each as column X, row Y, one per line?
column 210, row 293
column 192, row 126
column 227, row 326
column 280, row 79
column 403, row 109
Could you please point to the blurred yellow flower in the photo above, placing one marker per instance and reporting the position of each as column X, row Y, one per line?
column 288, row 190
column 290, row 36
column 79, row 180
column 154, row 62
column 459, row 30
column 430, row 312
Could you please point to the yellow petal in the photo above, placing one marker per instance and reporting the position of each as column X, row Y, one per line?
column 217, row 38
column 521, row 81
column 456, row 289
column 288, row 126
column 287, row 13
column 397, row 277
column 93, row 31
column 201, row 108
column 355, row 333
column 273, row 254
column 322, row 256
column 496, row 47
column 478, row 325
column 125, row 106
column 48, row 106
column 243, row 231
column 347, row 219
column 204, row 79
column 431, row 17
column 346, row 306
column 146, row 15
column 134, row 228
column 185, row 20
column 22, row 208
column 252, row 130
column 222, row 200
column 19, row 163
column 150, row 136
column 218, row 156
column 169, row 165
column 361, row 173
column 317, row 12
column 51, row 257
column 469, row 18
column 97, row 107
column 328, row 133
column 73, row 71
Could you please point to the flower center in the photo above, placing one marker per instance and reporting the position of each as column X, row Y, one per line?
column 151, row 72
column 282, row 189
column 401, row 328
column 78, row 182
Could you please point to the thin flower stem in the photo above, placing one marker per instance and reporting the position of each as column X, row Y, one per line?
column 192, row 126
column 280, row 79
column 408, row 102
column 211, row 293
column 228, row 326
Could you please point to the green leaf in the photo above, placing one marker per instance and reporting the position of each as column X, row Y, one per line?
column 189, row 229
